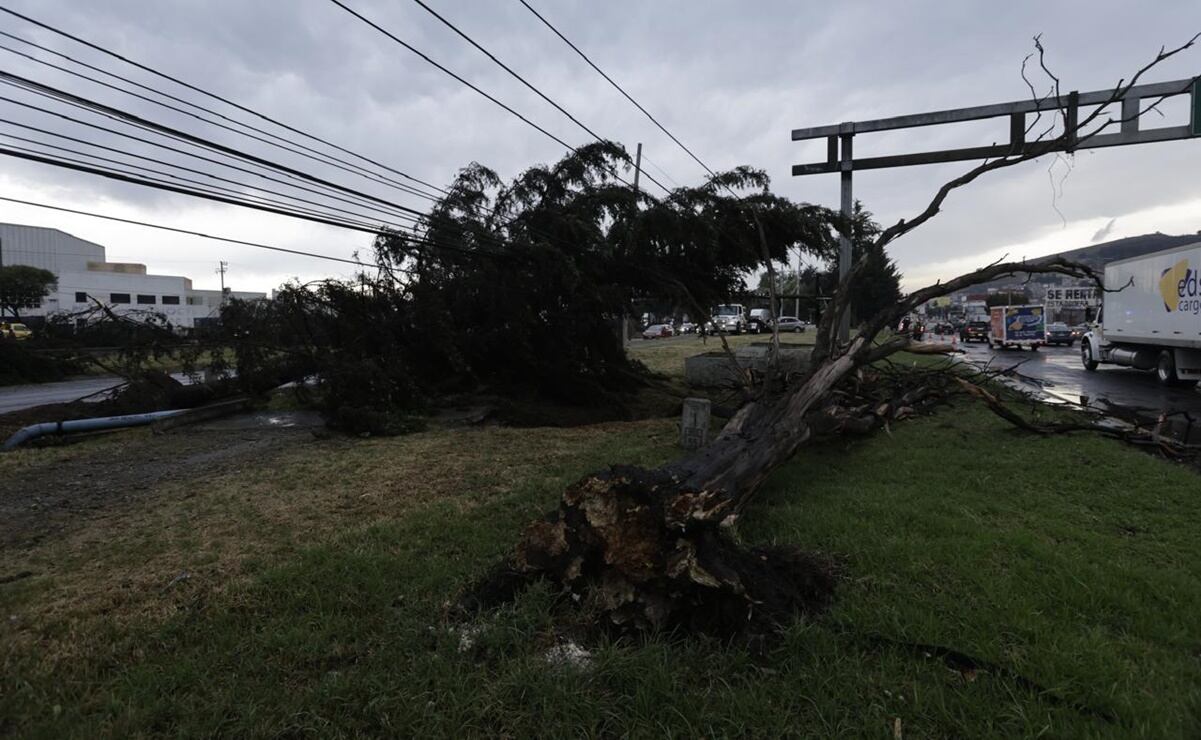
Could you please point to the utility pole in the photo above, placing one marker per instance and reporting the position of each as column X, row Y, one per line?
column 625, row 318
column 796, row 305
column 637, row 167
column 222, row 267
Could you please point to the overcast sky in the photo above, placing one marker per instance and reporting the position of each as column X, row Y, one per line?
column 730, row 79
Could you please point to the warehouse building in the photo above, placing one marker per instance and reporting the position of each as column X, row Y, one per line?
column 85, row 277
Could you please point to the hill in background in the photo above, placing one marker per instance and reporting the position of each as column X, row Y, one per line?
column 1096, row 255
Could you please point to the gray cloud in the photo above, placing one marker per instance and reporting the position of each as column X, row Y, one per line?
column 1104, row 231
column 730, row 78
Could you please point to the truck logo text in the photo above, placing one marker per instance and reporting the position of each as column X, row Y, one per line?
column 1178, row 288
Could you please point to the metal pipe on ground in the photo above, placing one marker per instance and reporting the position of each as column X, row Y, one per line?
column 34, row 431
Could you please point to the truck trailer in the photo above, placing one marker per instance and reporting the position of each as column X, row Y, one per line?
column 1150, row 316
column 1017, row 326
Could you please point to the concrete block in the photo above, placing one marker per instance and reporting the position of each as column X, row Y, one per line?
column 713, row 369
column 694, row 423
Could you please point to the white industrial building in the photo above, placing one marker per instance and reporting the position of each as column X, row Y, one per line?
column 85, row 277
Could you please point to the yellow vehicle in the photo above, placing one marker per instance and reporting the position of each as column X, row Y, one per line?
column 15, row 331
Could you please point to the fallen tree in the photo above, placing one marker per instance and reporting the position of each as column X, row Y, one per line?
column 645, row 550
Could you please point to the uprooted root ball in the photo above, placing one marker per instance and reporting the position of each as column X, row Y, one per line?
column 631, row 547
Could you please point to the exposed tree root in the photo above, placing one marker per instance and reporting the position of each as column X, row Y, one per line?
column 631, row 545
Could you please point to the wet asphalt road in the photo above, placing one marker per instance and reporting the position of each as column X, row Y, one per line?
column 1057, row 371
column 17, row 397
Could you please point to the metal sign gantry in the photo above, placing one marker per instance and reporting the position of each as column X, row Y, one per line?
column 840, row 137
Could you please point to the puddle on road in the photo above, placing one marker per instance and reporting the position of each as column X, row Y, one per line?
column 266, row 420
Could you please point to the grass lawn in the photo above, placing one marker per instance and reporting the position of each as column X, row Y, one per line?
column 667, row 355
column 304, row 596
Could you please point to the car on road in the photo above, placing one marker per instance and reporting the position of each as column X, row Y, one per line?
column 15, row 330
column 792, row 324
column 974, row 331
column 1060, row 334
column 655, row 331
column 686, row 328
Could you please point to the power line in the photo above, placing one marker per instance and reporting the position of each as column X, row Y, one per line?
column 214, row 96
column 660, row 169
column 421, row 54
column 162, row 129
column 288, row 146
column 149, row 182
column 190, row 233
column 206, row 187
column 619, row 88
column 520, row 79
column 178, row 166
column 431, row 242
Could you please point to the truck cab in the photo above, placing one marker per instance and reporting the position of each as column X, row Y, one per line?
column 730, row 317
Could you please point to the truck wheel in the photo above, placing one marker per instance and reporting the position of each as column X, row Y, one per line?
column 1165, row 369
column 1086, row 357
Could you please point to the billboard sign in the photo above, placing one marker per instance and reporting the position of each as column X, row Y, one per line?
column 1072, row 296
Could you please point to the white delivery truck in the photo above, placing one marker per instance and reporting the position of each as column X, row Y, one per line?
column 1150, row 316
column 1017, row 326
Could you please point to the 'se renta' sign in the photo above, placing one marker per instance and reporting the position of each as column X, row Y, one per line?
column 1071, row 296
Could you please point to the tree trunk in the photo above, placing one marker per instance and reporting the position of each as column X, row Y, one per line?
column 651, row 549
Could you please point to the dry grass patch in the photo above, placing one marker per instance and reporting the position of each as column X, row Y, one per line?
column 191, row 539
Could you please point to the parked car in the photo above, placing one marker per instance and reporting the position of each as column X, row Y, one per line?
column 654, row 331
column 974, row 331
column 15, row 330
column 1059, row 334
column 792, row 324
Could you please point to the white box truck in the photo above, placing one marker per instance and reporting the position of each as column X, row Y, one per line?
column 1150, row 316
column 1017, row 326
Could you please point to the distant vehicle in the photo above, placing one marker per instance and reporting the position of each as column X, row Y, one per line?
column 759, row 320
column 654, row 331
column 974, row 331
column 15, row 330
column 730, row 317
column 1059, row 334
column 686, row 328
column 1149, row 316
column 791, row 324
column 1079, row 330
column 1018, row 326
